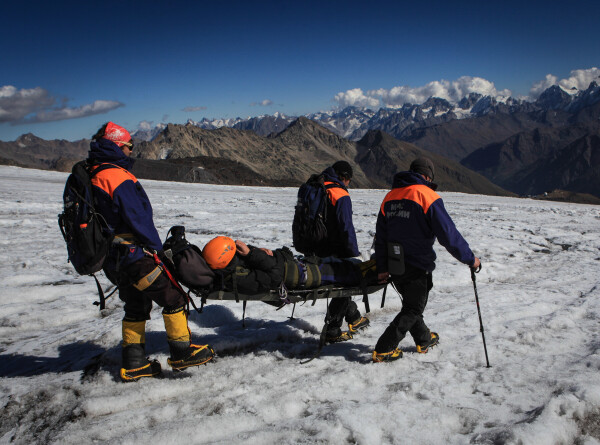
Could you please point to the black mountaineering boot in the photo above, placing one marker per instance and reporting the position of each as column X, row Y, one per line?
column 186, row 354
column 136, row 365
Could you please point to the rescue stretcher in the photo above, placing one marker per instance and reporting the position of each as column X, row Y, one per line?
column 292, row 295
column 280, row 299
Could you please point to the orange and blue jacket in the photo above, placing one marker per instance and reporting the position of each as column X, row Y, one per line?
column 413, row 214
column 123, row 202
column 341, row 236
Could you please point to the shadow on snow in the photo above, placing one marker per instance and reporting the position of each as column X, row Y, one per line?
column 293, row 339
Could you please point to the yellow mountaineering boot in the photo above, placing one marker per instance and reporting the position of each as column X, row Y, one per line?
column 358, row 325
column 183, row 353
column 338, row 338
column 435, row 339
column 379, row 357
column 135, row 363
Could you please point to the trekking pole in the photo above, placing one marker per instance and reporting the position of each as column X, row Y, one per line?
column 383, row 297
column 322, row 337
column 473, row 272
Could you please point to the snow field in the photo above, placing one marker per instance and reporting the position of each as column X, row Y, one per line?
column 538, row 292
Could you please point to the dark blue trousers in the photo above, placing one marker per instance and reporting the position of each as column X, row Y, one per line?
column 414, row 286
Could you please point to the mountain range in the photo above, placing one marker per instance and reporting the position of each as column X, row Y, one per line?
column 523, row 146
column 303, row 148
column 481, row 144
column 552, row 107
column 230, row 156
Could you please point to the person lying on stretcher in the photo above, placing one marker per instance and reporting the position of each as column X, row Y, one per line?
column 253, row 270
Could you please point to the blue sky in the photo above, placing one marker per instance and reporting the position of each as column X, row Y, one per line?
column 69, row 66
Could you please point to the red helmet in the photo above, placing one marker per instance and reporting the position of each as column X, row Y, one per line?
column 219, row 252
column 117, row 134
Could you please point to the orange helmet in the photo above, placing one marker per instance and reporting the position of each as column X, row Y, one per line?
column 219, row 252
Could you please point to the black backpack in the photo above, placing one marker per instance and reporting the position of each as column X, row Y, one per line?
column 85, row 231
column 190, row 267
column 309, row 227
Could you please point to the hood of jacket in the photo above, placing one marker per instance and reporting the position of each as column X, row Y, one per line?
column 103, row 150
column 404, row 179
column 330, row 175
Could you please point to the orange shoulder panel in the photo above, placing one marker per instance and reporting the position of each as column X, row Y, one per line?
column 336, row 193
column 111, row 178
column 418, row 193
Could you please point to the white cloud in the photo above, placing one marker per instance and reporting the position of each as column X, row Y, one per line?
column 97, row 107
column 263, row 103
column 355, row 98
column 453, row 91
column 579, row 79
column 145, row 125
column 539, row 87
column 36, row 105
column 192, row 109
column 16, row 104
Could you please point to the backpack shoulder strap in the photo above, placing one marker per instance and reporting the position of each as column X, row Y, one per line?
column 93, row 170
column 330, row 185
column 335, row 191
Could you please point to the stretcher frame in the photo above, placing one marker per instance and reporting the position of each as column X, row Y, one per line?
column 292, row 295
